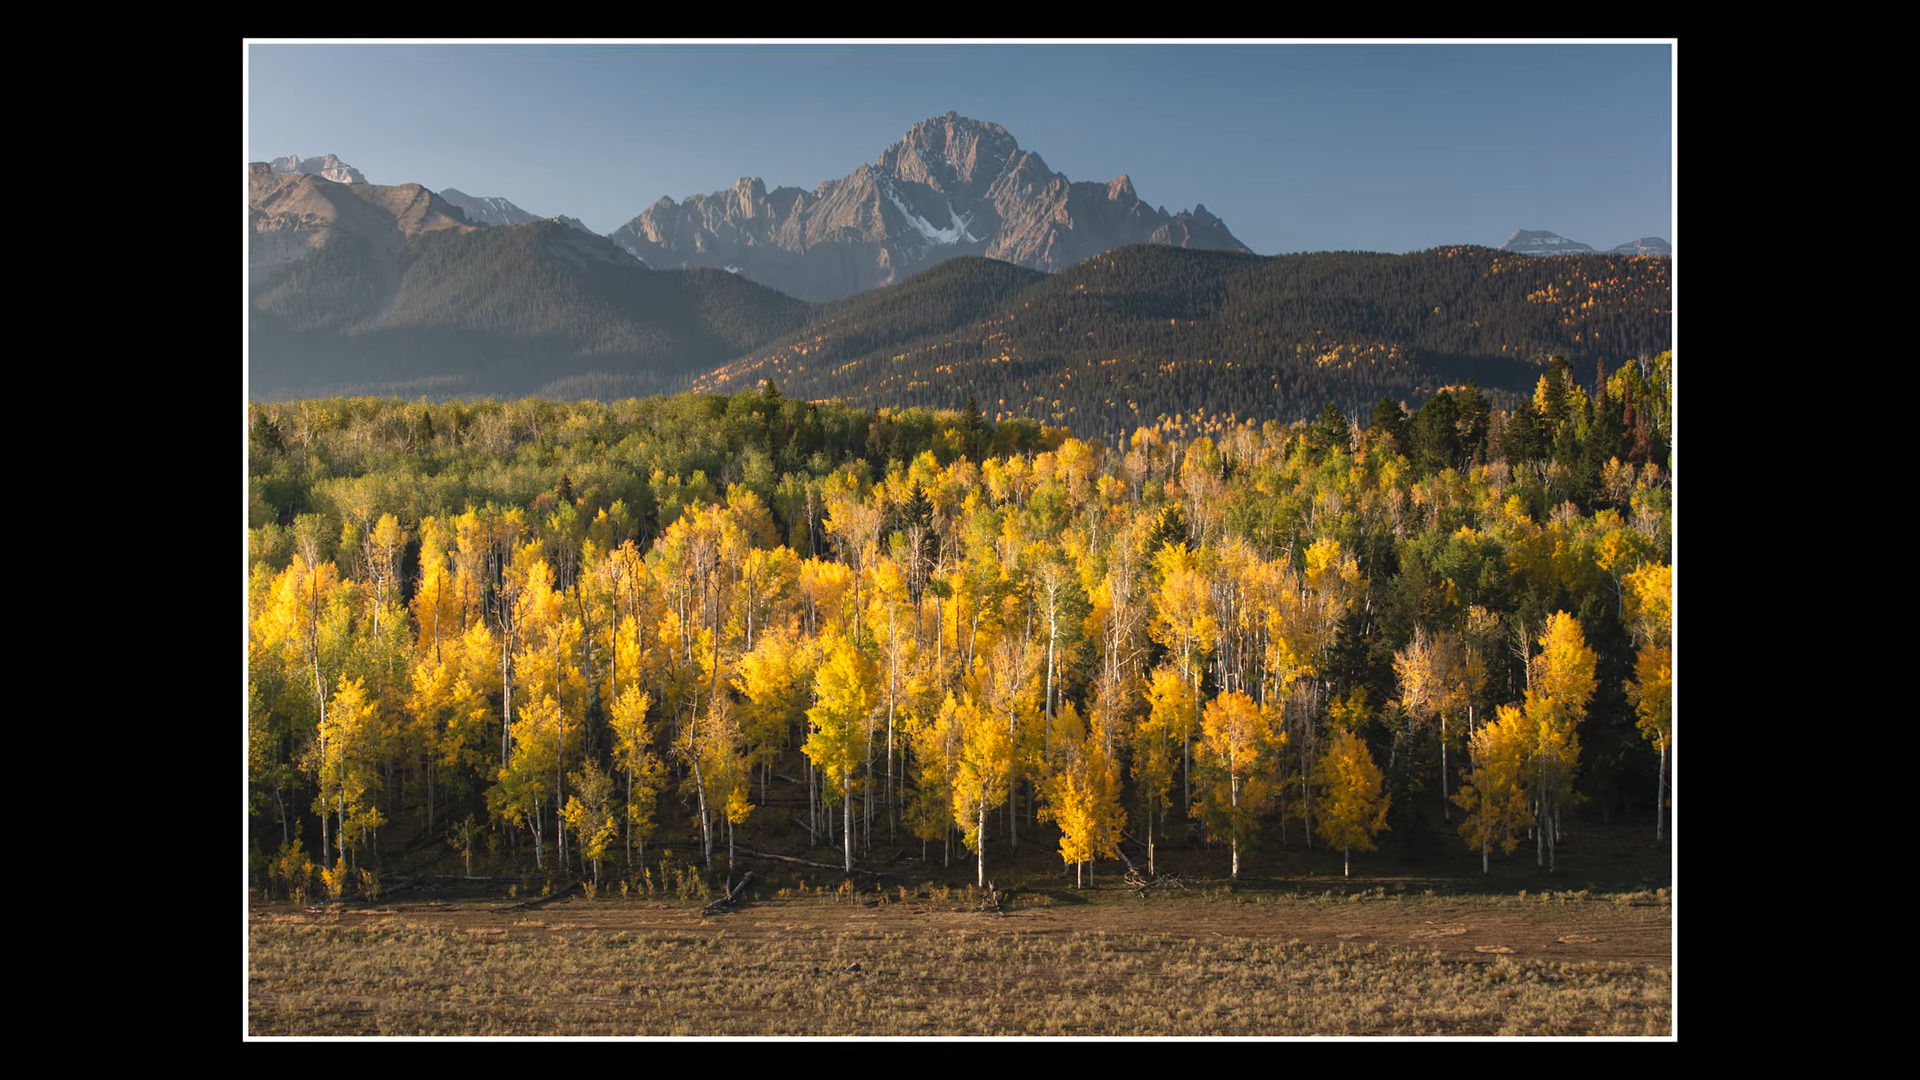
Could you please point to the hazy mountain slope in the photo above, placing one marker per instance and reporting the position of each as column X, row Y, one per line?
column 498, row 311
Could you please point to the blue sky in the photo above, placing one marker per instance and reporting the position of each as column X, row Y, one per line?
column 1310, row 147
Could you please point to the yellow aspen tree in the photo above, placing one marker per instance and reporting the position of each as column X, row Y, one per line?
column 1169, row 703
column 526, row 784
column 891, row 624
column 775, row 678
column 751, row 517
column 550, row 634
column 1235, row 741
column 635, row 761
column 766, row 592
column 1560, row 684
column 692, row 746
column 1494, row 790
column 472, row 555
column 303, row 620
column 589, row 814
column 822, row 586
column 1650, row 615
column 719, row 761
column 1183, row 622
column 1082, row 792
column 436, row 599
column 1353, row 800
column 447, row 704
column 854, row 524
column 844, row 697
column 986, row 764
column 385, row 544
column 1302, row 627
column 345, row 773
column 1117, row 614
column 936, row 740
column 1651, row 693
column 1009, row 689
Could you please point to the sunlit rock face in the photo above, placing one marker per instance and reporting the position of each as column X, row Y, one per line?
column 951, row 186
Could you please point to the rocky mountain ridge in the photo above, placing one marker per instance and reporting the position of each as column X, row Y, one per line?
column 951, row 186
column 1542, row 242
column 293, row 214
column 326, row 166
column 495, row 211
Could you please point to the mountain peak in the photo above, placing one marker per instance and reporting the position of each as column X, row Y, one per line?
column 488, row 209
column 1542, row 242
column 950, row 186
column 1646, row 245
column 326, row 166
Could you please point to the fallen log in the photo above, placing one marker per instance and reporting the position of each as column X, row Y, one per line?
column 733, row 895
column 803, row 862
column 472, row 877
column 1138, row 882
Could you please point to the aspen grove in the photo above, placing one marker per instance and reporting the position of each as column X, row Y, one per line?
column 572, row 634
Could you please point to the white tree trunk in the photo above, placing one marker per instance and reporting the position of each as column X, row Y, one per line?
column 706, row 825
column 1233, row 798
column 980, row 841
column 1660, row 798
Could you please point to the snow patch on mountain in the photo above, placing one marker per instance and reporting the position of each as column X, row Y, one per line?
column 953, row 235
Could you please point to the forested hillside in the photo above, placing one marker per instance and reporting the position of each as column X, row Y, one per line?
column 1125, row 338
column 503, row 311
column 570, row 634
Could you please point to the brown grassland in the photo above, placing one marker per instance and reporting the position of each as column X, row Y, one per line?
column 1296, row 952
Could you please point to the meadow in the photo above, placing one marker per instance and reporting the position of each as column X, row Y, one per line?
column 924, row 959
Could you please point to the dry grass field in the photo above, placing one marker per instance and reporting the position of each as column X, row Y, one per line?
column 922, row 960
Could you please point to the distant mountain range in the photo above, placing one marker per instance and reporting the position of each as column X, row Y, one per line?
column 1095, row 310
column 950, row 187
column 365, row 288
column 326, row 165
column 1542, row 242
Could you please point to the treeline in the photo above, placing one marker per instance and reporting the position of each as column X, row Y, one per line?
column 1126, row 337
column 530, row 623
